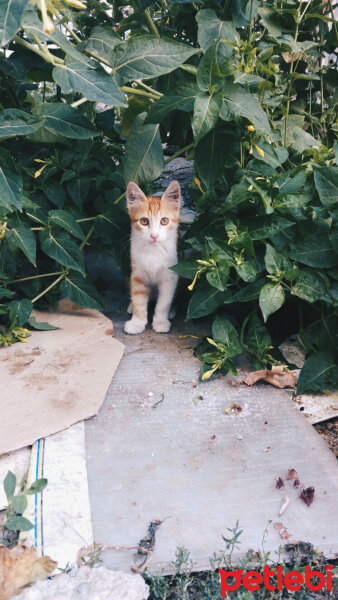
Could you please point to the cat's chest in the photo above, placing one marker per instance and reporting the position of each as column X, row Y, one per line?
column 153, row 262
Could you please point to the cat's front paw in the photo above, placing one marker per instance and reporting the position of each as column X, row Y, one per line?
column 161, row 326
column 134, row 326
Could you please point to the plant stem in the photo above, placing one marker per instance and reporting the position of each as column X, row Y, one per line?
column 50, row 287
column 105, row 62
column 182, row 151
column 119, row 198
column 36, row 219
column 149, row 89
column 151, row 25
column 72, row 33
column 250, row 21
column 46, row 55
column 130, row 90
column 334, row 19
column 38, row 228
column 78, row 102
column 86, row 219
column 89, row 234
column 33, row 277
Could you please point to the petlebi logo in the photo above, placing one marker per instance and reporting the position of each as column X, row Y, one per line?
column 275, row 580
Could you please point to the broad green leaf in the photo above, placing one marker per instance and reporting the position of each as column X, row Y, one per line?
column 223, row 331
column 18, row 524
column 302, row 140
column 62, row 119
column 274, row 157
column 7, row 261
column 248, row 270
column 211, row 154
column 17, row 122
column 211, row 28
column 261, row 228
column 271, row 299
column 258, row 336
column 78, row 189
column 10, row 18
column 114, row 224
column 182, row 98
column 291, row 184
column 102, row 42
column 81, row 291
column 326, row 182
column 316, row 251
column 309, row 286
column 212, row 67
column 316, row 369
column 40, row 325
column 5, row 293
column 240, row 10
column 19, row 311
column 10, row 190
column 93, row 82
column 144, row 153
column 240, row 103
column 145, row 57
column 204, row 301
column 61, row 247
column 219, row 276
column 37, row 486
column 9, row 485
column 271, row 20
column 186, row 268
column 249, row 292
column 65, row 220
column 238, row 193
column 275, row 261
column 21, row 236
column 206, row 112
column 19, row 504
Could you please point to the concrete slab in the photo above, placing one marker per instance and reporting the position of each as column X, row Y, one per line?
column 163, row 448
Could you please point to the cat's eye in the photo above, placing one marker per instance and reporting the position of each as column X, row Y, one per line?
column 144, row 221
column 164, row 221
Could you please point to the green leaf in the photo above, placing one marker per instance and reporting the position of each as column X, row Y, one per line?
column 21, row 236
column 223, row 331
column 10, row 190
column 81, row 291
column 210, row 155
column 204, row 301
column 17, row 122
column 114, row 224
column 65, row 220
column 289, row 183
column 274, row 157
column 210, row 74
column 261, row 228
column 239, row 193
column 19, row 311
column 314, row 373
column 275, row 261
column 248, row 270
column 186, row 268
column 10, row 18
column 62, row 119
column 144, row 154
column 37, row 486
column 258, row 337
column 182, row 98
column 271, row 299
column 94, row 83
column 309, row 286
column 145, row 57
column 102, row 42
column 219, row 276
column 271, row 20
column 316, row 251
column 249, row 292
column 206, row 111
column 61, row 247
column 211, row 28
column 240, row 103
column 7, row 261
column 78, row 189
column 18, row 524
column 40, row 325
column 5, row 293
column 326, row 182
column 9, row 485
column 19, row 504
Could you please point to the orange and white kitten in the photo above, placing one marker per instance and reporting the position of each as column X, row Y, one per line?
column 154, row 235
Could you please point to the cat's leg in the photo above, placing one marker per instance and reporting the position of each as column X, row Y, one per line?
column 166, row 291
column 130, row 308
column 139, row 299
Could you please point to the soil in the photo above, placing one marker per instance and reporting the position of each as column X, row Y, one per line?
column 328, row 430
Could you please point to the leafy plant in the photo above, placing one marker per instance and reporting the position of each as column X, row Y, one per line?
column 247, row 89
column 14, row 521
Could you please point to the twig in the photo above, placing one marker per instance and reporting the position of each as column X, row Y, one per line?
column 158, row 402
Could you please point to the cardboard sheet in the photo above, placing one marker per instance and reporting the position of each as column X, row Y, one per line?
column 59, row 378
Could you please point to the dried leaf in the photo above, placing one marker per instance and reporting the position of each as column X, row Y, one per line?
column 292, row 474
column 298, row 484
column 308, row 495
column 279, row 376
column 237, row 408
column 283, row 532
column 284, row 505
column 20, row 567
column 267, row 449
column 279, row 483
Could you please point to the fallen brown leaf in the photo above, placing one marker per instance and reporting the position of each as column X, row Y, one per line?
column 292, row 474
column 20, row 567
column 298, row 484
column 279, row 376
column 283, row 532
column 279, row 483
column 308, row 495
column 267, row 449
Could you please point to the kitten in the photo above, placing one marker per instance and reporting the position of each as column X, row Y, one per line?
column 154, row 235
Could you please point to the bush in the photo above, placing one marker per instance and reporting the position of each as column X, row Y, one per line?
column 255, row 106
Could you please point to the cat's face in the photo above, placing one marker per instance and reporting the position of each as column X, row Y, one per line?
column 153, row 217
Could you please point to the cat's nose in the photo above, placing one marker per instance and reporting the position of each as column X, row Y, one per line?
column 154, row 236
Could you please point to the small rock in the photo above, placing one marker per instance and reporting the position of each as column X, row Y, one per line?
column 150, row 394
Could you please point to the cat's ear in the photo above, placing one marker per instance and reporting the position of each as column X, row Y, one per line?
column 173, row 194
column 134, row 195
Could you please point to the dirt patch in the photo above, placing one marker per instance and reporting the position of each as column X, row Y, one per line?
column 328, row 430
